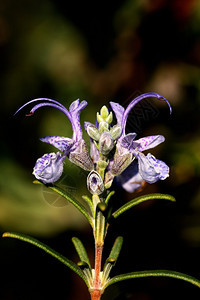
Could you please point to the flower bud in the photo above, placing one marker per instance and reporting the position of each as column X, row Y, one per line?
column 105, row 115
column 106, row 143
column 95, row 183
column 93, row 132
column 104, row 112
column 116, row 131
column 102, row 164
column 103, row 126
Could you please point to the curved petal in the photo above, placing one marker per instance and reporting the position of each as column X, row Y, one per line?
column 159, row 165
column 149, row 142
column 49, row 167
column 118, row 110
column 75, row 109
column 128, row 141
column 152, row 169
column 60, row 142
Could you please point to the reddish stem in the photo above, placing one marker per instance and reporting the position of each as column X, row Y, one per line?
column 95, row 295
column 96, row 292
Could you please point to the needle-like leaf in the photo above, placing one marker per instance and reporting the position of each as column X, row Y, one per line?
column 71, row 199
column 139, row 200
column 81, row 250
column 154, row 273
column 70, row 264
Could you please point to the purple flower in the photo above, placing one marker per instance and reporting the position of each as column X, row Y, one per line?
column 149, row 169
column 49, row 167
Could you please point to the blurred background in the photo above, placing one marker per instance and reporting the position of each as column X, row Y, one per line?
column 101, row 51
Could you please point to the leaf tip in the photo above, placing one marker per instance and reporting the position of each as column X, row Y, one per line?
column 37, row 182
column 5, row 234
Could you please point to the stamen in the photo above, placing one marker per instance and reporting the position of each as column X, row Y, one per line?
column 39, row 99
column 138, row 99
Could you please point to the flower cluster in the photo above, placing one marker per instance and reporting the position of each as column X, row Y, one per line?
column 113, row 153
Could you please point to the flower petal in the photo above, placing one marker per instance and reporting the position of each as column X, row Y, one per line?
column 60, row 142
column 49, row 167
column 149, row 142
column 128, row 141
column 118, row 110
column 130, row 179
column 152, row 169
column 73, row 115
column 75, row 110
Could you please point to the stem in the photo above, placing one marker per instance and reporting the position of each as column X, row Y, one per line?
column 96, row 292
column 98, row 256
column 99, row 232
column 96, row 295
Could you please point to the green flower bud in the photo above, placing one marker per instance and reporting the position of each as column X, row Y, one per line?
column 102, row 164
column 106, row 143
column 105, row 115
column 104, row 112
column 103, row 126
column 93, row 132
column 109, row 119
column 99, row 118
column 116, row 131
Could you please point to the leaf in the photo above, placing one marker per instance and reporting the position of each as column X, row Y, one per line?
column 81, row 251
column 109, row 196
column 139, row 200
column 111, row 260
column 89, row 202
column 114, row 253
column 71, row 199
column 70, row 264
column 154, row 273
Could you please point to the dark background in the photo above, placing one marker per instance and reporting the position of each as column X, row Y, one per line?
column 101, row 51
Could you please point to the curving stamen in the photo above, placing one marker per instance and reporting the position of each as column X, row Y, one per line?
column 73, row 114
column 135, row 101
column 40, row 99
column 63, row 109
